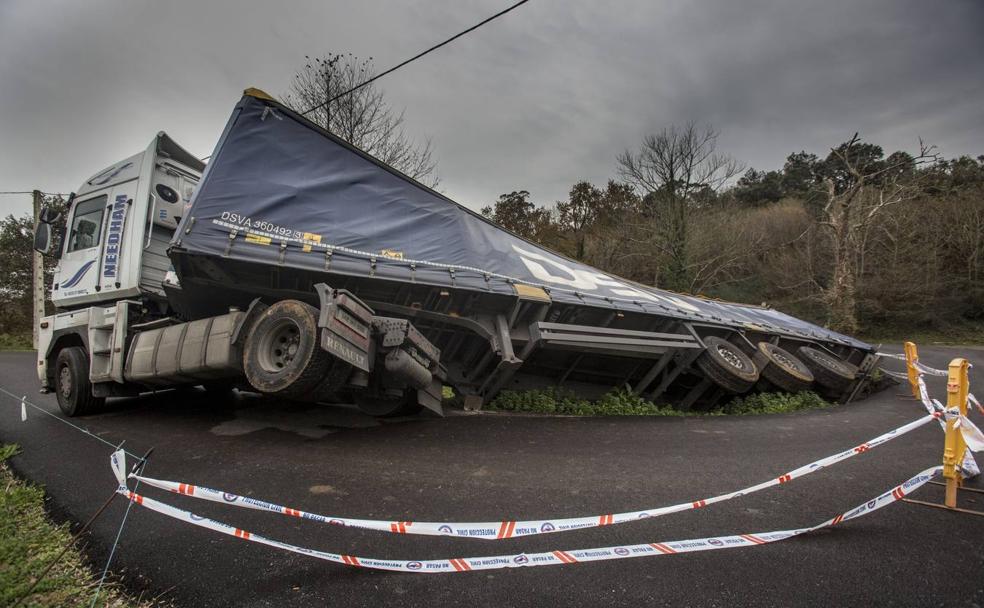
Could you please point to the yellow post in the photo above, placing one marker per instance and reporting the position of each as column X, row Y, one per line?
column 954, row 447
column 911, row 356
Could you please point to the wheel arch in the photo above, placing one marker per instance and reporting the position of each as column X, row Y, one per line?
column 61, row 339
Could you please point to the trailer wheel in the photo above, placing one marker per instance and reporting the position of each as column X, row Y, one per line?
column 282, row 356
column 727, row 366
column 782, row 369
column 829, row 372
column 382, row 406
column 72, row 386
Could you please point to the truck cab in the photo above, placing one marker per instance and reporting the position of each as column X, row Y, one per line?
column 120, row 327
column 119, row 225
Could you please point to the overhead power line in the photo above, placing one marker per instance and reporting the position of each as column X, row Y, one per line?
column 417, row 56
column 32, row 192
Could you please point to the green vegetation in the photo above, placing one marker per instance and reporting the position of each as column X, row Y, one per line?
column 862, row 239
column 16, row 341
column 622, row 403
column 29, row 541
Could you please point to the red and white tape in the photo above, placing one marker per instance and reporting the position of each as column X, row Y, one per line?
column 547, row 558
column 498, row 530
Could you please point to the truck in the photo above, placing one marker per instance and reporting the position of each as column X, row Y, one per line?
column 295, row 265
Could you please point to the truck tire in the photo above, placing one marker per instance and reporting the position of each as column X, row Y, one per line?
column 282, row 356
column 782, row 369
column 828, row 371
column 72, row 386
column 382, row 406
column 727, row 366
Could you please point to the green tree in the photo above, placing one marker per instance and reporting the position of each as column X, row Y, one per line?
column 677, row 170
column 578, row 214
column 517, row 213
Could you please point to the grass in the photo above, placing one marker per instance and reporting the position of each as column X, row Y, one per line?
column 29, row 541
column 16, row 342
column 623, row 403
column 960, row 334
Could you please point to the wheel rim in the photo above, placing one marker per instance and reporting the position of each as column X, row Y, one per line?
column 730, row 357
column 279, row 347
column 65, row 382
column 830, row 363
column 785, row 361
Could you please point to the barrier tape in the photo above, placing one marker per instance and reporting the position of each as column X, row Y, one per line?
column 498, row 530
column 547, row 558
column 975, row 441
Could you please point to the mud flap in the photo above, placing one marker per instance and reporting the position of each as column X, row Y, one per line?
column 346, row 326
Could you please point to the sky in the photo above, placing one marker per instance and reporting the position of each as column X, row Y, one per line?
column 537, row 100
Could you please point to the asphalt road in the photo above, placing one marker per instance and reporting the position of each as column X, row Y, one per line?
column 487, row 467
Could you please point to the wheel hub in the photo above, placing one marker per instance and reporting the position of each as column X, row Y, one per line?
column 784, row 360
column 65, row 382
column 728, row 355
column 279, row 347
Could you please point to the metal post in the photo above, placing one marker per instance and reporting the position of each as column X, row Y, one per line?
column 38, row 280
column 954, row 447
column 911, row 358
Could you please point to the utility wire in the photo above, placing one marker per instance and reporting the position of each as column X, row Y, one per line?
column 417, row 56
column 32, row 192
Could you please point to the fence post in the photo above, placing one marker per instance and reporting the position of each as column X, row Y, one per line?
column 954, row 447
column 911, row 357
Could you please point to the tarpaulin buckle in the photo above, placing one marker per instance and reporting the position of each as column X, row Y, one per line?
column 372, row 267
column 413, row 273
column 327, row 260
column 232, row 239
column 283, row 252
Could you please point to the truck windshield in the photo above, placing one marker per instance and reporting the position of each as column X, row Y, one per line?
column 86, row 224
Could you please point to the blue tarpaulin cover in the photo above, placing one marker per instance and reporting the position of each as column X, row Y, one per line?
column 293, row 193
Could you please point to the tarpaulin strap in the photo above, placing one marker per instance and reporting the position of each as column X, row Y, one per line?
column 546, row 558
column 498, row 530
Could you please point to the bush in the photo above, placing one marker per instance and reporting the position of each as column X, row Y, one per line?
column 16, row 341
column 624, row 403
column 772, row 403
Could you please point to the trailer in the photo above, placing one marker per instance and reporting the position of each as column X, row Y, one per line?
column 298, row 266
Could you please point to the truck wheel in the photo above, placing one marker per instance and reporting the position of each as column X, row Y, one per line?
column 725, row 365
column 72, row 386
column 782, row 369
column 829, row 371
column 382, row 406
column 282, row 356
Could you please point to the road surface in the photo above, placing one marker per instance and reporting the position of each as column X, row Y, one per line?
column 487, row 467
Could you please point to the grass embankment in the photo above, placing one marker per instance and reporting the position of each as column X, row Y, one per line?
column 622, row 403
column 29, row 541
column 16, row 342
column 961, row 334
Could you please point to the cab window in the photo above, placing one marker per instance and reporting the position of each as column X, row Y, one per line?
column 86, row 224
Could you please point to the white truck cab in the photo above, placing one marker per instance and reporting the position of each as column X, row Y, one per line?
column 117, row 331
column 119, row 225
column 111, row 264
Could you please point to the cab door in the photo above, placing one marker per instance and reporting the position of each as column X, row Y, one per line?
column 78, row 275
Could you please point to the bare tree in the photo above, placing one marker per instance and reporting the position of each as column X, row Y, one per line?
column 859, row 189
column 677, row 170
column 363, row 118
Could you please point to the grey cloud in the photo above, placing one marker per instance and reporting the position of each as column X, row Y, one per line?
column 539, row 99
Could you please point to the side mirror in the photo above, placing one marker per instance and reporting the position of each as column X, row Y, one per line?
column 49, row 216
column 42, row 238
